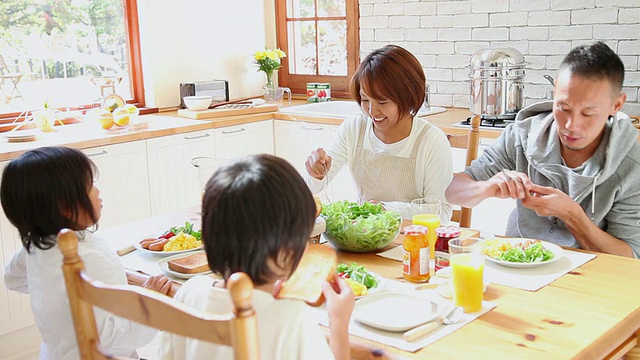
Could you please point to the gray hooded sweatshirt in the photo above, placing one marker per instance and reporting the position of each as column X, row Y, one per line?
column 606, row 186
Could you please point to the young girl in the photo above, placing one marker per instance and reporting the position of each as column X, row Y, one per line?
column 393, row 156
column 43, row 191
column 257, row 216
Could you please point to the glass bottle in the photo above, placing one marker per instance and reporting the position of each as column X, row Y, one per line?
column 444, row 234
column 415, row 254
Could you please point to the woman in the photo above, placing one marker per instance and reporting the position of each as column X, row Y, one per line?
column 394, row 157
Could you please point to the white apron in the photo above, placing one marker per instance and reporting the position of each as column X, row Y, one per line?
column 384, row 177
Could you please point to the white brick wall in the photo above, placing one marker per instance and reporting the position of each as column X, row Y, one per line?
column 443, row 34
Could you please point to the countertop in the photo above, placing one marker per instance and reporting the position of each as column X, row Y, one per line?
column 88, row 134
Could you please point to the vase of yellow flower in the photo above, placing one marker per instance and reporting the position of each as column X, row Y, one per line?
column 269, row 61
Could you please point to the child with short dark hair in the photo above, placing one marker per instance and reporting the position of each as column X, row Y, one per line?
column 257, row 216
column 43, row 191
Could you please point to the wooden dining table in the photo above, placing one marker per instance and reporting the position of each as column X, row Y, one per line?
column 592, row 312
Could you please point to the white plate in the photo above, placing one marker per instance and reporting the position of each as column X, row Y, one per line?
column 394, row 312
column 165, row 267
column 377, row 288
column 164, row 253
column 555, row 249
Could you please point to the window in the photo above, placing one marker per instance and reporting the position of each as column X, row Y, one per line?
column 68, row 53
column 321, row 40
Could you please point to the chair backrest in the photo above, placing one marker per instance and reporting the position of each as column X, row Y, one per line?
column 153, row 309
column 470, row 142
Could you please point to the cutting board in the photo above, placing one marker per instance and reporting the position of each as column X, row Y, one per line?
column 216, row 113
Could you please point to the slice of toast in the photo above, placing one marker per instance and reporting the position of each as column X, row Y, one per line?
column 191, row 264
column 317, row 265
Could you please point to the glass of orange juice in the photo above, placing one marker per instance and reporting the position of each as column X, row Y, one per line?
column 426, row 212
column 467, row 271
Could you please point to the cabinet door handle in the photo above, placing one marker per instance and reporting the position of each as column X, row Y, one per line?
column 304, row 127
column 233, row 131
column 103, row 152
column 196, row 137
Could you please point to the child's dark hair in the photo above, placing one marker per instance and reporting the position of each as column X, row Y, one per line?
column 44, row 190
column 254, row 209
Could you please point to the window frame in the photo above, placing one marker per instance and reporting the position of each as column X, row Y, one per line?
column 132, row 29
column 339, row 84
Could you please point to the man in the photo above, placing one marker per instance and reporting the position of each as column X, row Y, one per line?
column 571, row 164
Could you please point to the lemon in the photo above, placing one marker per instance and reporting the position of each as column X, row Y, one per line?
column 106, row 121
column 121, row 116
column 44, row 120
column 132, row 109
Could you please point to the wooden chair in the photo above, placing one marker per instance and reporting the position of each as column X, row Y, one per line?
column 469, row 142
column 154, row 309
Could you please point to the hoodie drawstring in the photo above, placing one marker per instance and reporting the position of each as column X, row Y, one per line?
column 593, row 196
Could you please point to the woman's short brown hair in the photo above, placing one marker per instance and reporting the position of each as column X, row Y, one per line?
column 391, row 73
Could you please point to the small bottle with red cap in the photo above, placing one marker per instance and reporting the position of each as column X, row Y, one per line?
column 415, row 254
column 444, row 234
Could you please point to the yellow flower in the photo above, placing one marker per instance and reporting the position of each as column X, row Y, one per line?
column 259, row 55
column 280, row 53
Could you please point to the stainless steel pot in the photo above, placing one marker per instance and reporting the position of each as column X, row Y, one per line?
column 497, row 81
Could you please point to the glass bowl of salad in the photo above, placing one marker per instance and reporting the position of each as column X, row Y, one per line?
column 360, row 228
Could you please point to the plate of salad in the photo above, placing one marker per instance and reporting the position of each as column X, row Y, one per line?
column 362, row 281
column 521, row 252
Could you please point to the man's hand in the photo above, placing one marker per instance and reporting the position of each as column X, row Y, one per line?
column 318, row 164
column 548, row 201
column 510, row 184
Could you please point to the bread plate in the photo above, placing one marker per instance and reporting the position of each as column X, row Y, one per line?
column 394, row 311
column 555, row 249
column 165, row 253
column 162, row 264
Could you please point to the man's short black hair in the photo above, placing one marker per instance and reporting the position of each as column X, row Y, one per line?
column 45, row 190
column 596, row 61
column 254, row 209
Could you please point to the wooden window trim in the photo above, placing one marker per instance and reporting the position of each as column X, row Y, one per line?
column 339, row 84
column 132, row 27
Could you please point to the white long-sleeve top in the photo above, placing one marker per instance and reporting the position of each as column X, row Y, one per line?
column 434, row 169
column 39, row 274
column 287, row 329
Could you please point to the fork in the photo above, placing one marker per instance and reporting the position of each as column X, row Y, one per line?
column 325, row 197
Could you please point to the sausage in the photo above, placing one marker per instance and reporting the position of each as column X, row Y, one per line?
column 158, row 245
column 148, row 241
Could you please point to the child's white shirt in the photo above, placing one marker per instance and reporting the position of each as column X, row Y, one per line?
column 39, row 274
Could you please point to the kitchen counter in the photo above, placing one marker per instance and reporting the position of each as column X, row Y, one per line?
column 88, row 134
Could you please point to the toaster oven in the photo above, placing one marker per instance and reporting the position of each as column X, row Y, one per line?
column 217, row 89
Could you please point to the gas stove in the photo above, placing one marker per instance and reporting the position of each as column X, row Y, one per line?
column 490, row 122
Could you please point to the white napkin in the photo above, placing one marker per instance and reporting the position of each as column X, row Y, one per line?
column 395, row 338
column 535, row 278
column 531, row 279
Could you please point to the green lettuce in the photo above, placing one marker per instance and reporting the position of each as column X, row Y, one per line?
column 355, row 227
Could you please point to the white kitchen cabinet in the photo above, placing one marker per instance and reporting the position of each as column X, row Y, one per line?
column 123, row 181
column 342, row 187
column 173, row 181
column 295, row 140
column 247, row 139
column 294, row 143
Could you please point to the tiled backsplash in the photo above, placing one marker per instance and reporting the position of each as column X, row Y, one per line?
column 445, row 34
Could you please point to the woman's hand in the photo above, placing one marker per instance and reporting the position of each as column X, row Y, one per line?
column 318, row 164
column 159, row 283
